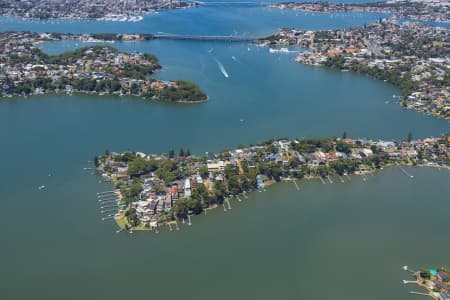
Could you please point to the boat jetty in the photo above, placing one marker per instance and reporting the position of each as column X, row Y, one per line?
column 435, row 281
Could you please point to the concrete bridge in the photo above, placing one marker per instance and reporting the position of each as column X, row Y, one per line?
column 231, row 3
column 225, row 38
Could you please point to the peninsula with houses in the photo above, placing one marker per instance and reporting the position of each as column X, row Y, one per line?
column 412, row 56
column 99, row 69
column 151, row 190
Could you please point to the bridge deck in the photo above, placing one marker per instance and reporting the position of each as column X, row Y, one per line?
column 231, row 3
column 204, row 37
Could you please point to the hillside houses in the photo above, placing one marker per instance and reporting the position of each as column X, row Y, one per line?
column 385, row 50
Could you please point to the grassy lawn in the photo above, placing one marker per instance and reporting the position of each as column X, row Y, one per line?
column 121, row 222
column 440, row 44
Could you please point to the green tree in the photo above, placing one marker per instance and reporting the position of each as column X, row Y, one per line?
column 374, row 149
column 171, row 153
column 132, row 192
column 410, row 137
column 158, row 189
column 343, row 147
column 203, row 172
column 168, row 171
column 139, row 166
column 96, row 161
column 180, row 209
column 131, row 216
column 194, row 205
column 220, row 192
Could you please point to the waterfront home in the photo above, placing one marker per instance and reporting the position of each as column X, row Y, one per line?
column 215, row 166
column 443, row 276
column 174, row 191
column 168, row 202
column 444, row 296
column 365, row 153
column 341, row 155
column 395, row 154
column 412, row 153
column 331, row 156
column 283, row 144
column 187, row 188
column 276, row 157
column 260, row 182
column 160, row 205
column 152, row 207
column 142, row 207
column 301, row 158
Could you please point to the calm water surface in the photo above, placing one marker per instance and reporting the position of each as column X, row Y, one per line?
column 340, row 241
column 238, row 20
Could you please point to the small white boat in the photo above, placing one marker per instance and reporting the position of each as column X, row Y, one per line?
column 281, row 50
column 41, row 187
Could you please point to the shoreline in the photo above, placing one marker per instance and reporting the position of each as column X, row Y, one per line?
column 426, row 113
column 418, row 10
column 381, row 51
column 87, row 93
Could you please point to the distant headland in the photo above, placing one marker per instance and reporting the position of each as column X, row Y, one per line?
column 436, row 11
column 410, row 55
column 104, row 10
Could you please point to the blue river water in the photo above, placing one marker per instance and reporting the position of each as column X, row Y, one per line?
column 342, row 241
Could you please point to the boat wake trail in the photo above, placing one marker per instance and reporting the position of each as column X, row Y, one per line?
column 222, row 68
column 235, row 59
